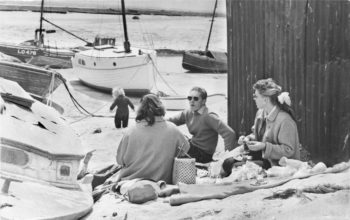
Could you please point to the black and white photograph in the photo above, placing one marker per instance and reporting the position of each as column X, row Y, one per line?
column 174, row 109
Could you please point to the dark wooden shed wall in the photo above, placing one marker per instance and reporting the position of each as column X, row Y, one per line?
column 305, row 46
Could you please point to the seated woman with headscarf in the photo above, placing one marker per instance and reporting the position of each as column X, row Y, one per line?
column 275, row 133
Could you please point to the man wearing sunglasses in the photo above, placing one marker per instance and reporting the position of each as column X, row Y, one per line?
column 205, row 126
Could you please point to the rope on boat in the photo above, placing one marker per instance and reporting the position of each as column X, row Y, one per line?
column 161, row 77
column 51, row 88
column 145, row 62
column 80, row 108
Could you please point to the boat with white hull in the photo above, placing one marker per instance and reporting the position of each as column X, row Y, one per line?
column 107, row 66
column 39, row 161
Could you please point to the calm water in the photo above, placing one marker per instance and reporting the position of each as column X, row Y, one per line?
column 150, row 31
column 177, row 5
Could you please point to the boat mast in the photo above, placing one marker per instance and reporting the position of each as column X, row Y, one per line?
column 126, row 42
column 211, row 26
column 41, row 40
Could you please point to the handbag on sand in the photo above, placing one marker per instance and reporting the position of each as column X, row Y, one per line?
column 184, row 169
column 139, row 190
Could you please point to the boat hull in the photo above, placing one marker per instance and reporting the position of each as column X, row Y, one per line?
column 199, row 61
column 39, row 56
column 32, row 200
column 37, row 81
column 104, row 70
column 39, row 163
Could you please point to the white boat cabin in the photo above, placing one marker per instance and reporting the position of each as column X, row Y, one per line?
column 104, row 40
column 36, row 143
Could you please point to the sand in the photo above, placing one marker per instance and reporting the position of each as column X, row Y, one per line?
column 245, row 206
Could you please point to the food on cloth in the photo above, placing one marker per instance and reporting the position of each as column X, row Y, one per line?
column 289, row 167
column 305, row 171
column 338, row 167
column 245, row 172
column 319, row 168
column 235, row 153
column 276, row 171
column 260, row 180
column 202, row 173
column 215, row 167
column 296, row 164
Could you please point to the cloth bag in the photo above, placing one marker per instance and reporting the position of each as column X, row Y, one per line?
column 139, row 190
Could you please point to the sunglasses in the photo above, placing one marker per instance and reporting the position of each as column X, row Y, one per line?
column 195, row 98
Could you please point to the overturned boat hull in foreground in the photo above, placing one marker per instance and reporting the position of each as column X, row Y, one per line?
column 40, row 159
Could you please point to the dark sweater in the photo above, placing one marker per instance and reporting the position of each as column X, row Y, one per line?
column 205, row 127
column 122, row 103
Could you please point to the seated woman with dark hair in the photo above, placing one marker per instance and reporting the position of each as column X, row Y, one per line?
column 148, row 149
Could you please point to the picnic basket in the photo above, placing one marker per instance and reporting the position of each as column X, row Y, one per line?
column 184, row 169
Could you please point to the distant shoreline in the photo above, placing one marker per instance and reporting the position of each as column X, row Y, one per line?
column 64, row 10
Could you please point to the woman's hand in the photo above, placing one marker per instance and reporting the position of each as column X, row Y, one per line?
column 242, row 139
column 256, row 145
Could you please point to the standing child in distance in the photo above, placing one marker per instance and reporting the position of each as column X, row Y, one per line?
column 122, row 102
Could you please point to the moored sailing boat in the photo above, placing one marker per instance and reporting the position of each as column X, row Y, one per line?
column 206, row 61
column 107, row 66
column 36, row 52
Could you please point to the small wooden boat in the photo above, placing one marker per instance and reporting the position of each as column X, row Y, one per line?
column 40, row 158
column 32, row 53
column 181, row 102
column 36, row 52
column 107, row 66
column 38, row 82
column 207, row 61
